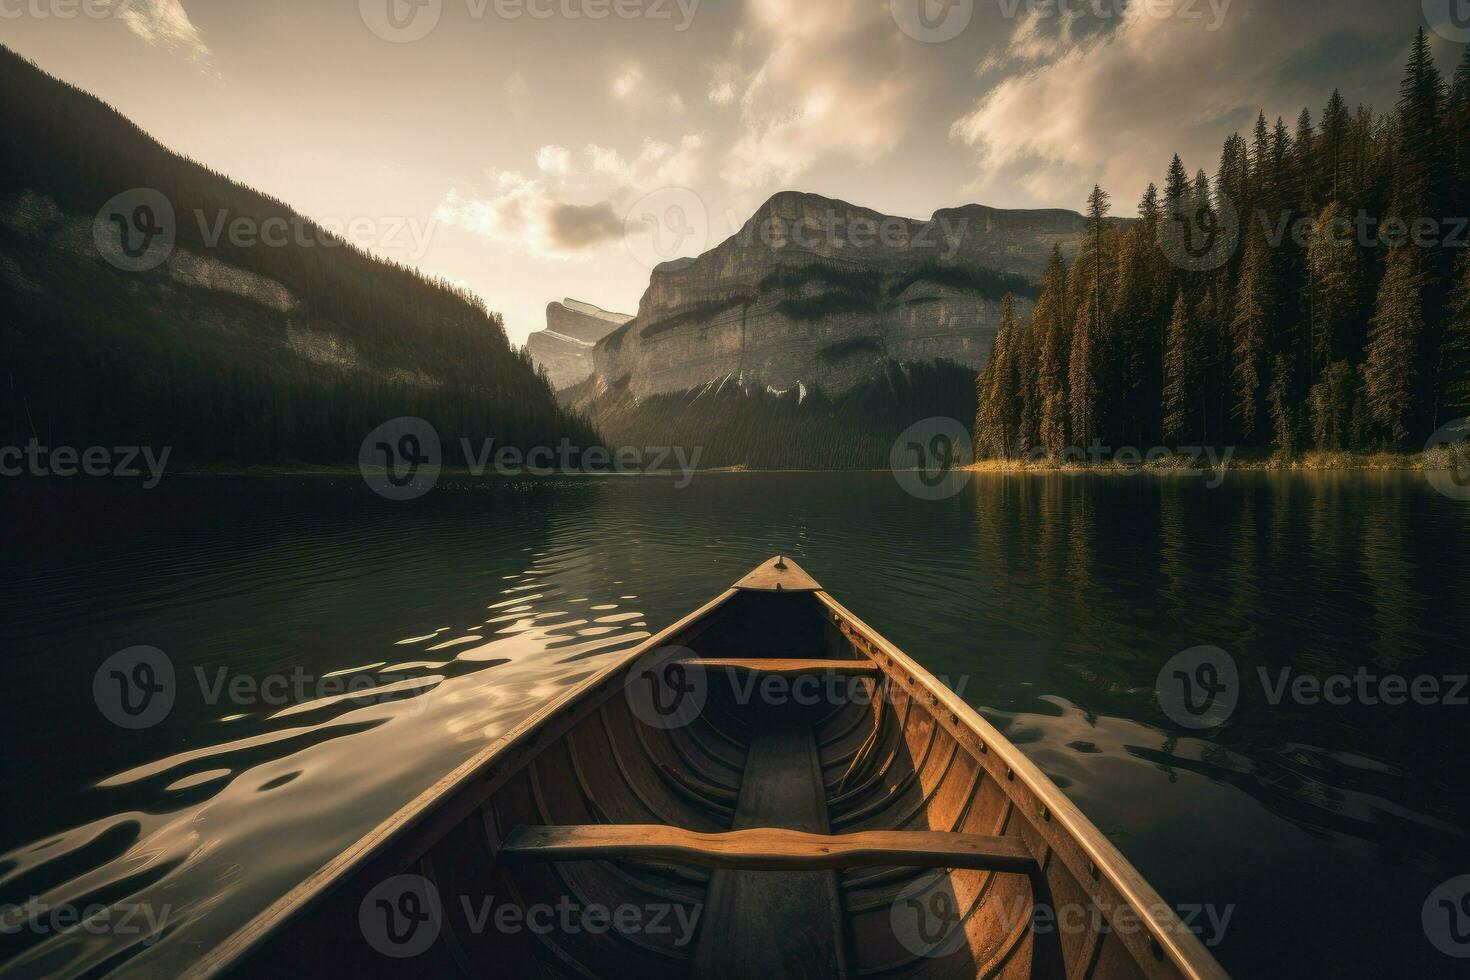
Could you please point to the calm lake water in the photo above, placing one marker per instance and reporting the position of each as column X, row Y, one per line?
column 1050, row 602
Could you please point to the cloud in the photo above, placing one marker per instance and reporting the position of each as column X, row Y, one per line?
column 815, row 80
column 1078, row 105
column 577, row 201
column 554, row 160
column 165, row 24
column 572, row 227
column 632, row 88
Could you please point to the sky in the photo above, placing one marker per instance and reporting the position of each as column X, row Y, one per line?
column 530, row 150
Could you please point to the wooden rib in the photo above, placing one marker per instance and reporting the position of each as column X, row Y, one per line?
column 612, row 743
column 845, row 797
column 982, row 892
column 899, row 788
column 664, row 891
column 446, row 934
column 767, row 848
column 872, row 878
column 687, row 785
column 496, row 838
column 692, row 731
column 847, row 729
column 702, row 766
column 887, row 874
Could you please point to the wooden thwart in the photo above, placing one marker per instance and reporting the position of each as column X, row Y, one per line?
column 784, row 667
column 768, row 849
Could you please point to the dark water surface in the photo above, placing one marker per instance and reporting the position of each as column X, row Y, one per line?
column 1050, row 602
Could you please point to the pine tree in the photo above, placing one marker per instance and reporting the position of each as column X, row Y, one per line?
column 1052, row 326
column 1454, row 354
column 1184, row 362
column 1305, row 164
column 1282, row 415
column 1331, row 406
column 999, row 389
column 1334, row 148
column 1390, row 372
column 1334, row 285
column 1248, row 329
column 1176, row 188
column 1085, row 362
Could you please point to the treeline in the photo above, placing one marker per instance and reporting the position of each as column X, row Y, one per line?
column 95, row 355
column 1314, row 294
column 735, row 424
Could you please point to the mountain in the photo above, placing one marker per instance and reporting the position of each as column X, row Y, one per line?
column 564, row 348
column 736, row 423
column 820, row 292
column 130, row 319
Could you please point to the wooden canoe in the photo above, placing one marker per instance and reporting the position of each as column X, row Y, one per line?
column 767, row 788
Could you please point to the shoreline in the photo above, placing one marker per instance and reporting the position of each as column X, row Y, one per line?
column 1313, row 462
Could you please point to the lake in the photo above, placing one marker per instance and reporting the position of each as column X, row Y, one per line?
column 334, row 653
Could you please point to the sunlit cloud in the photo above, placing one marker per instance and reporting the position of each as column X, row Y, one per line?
column 164, row 24
column 576, row 203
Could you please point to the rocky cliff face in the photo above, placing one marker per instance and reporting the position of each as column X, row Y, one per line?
column 564, row 348
column 823, row 293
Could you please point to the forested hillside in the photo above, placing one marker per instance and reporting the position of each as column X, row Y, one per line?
column 1337, row 318
column 746, row 425
column 230, row 350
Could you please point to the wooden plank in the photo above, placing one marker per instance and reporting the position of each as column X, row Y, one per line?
column 779, row 574
column 785, row 667
column 785, row 923
column 769, row 848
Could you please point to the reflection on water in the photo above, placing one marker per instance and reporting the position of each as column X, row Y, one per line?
column 336, row 653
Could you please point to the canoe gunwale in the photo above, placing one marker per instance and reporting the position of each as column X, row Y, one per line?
column 1055, row 817
column 448, row 800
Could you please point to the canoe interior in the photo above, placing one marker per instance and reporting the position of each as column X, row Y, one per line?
column 868, row 753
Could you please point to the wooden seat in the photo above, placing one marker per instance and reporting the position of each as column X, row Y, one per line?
column 785, row 667
column 768, row 849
